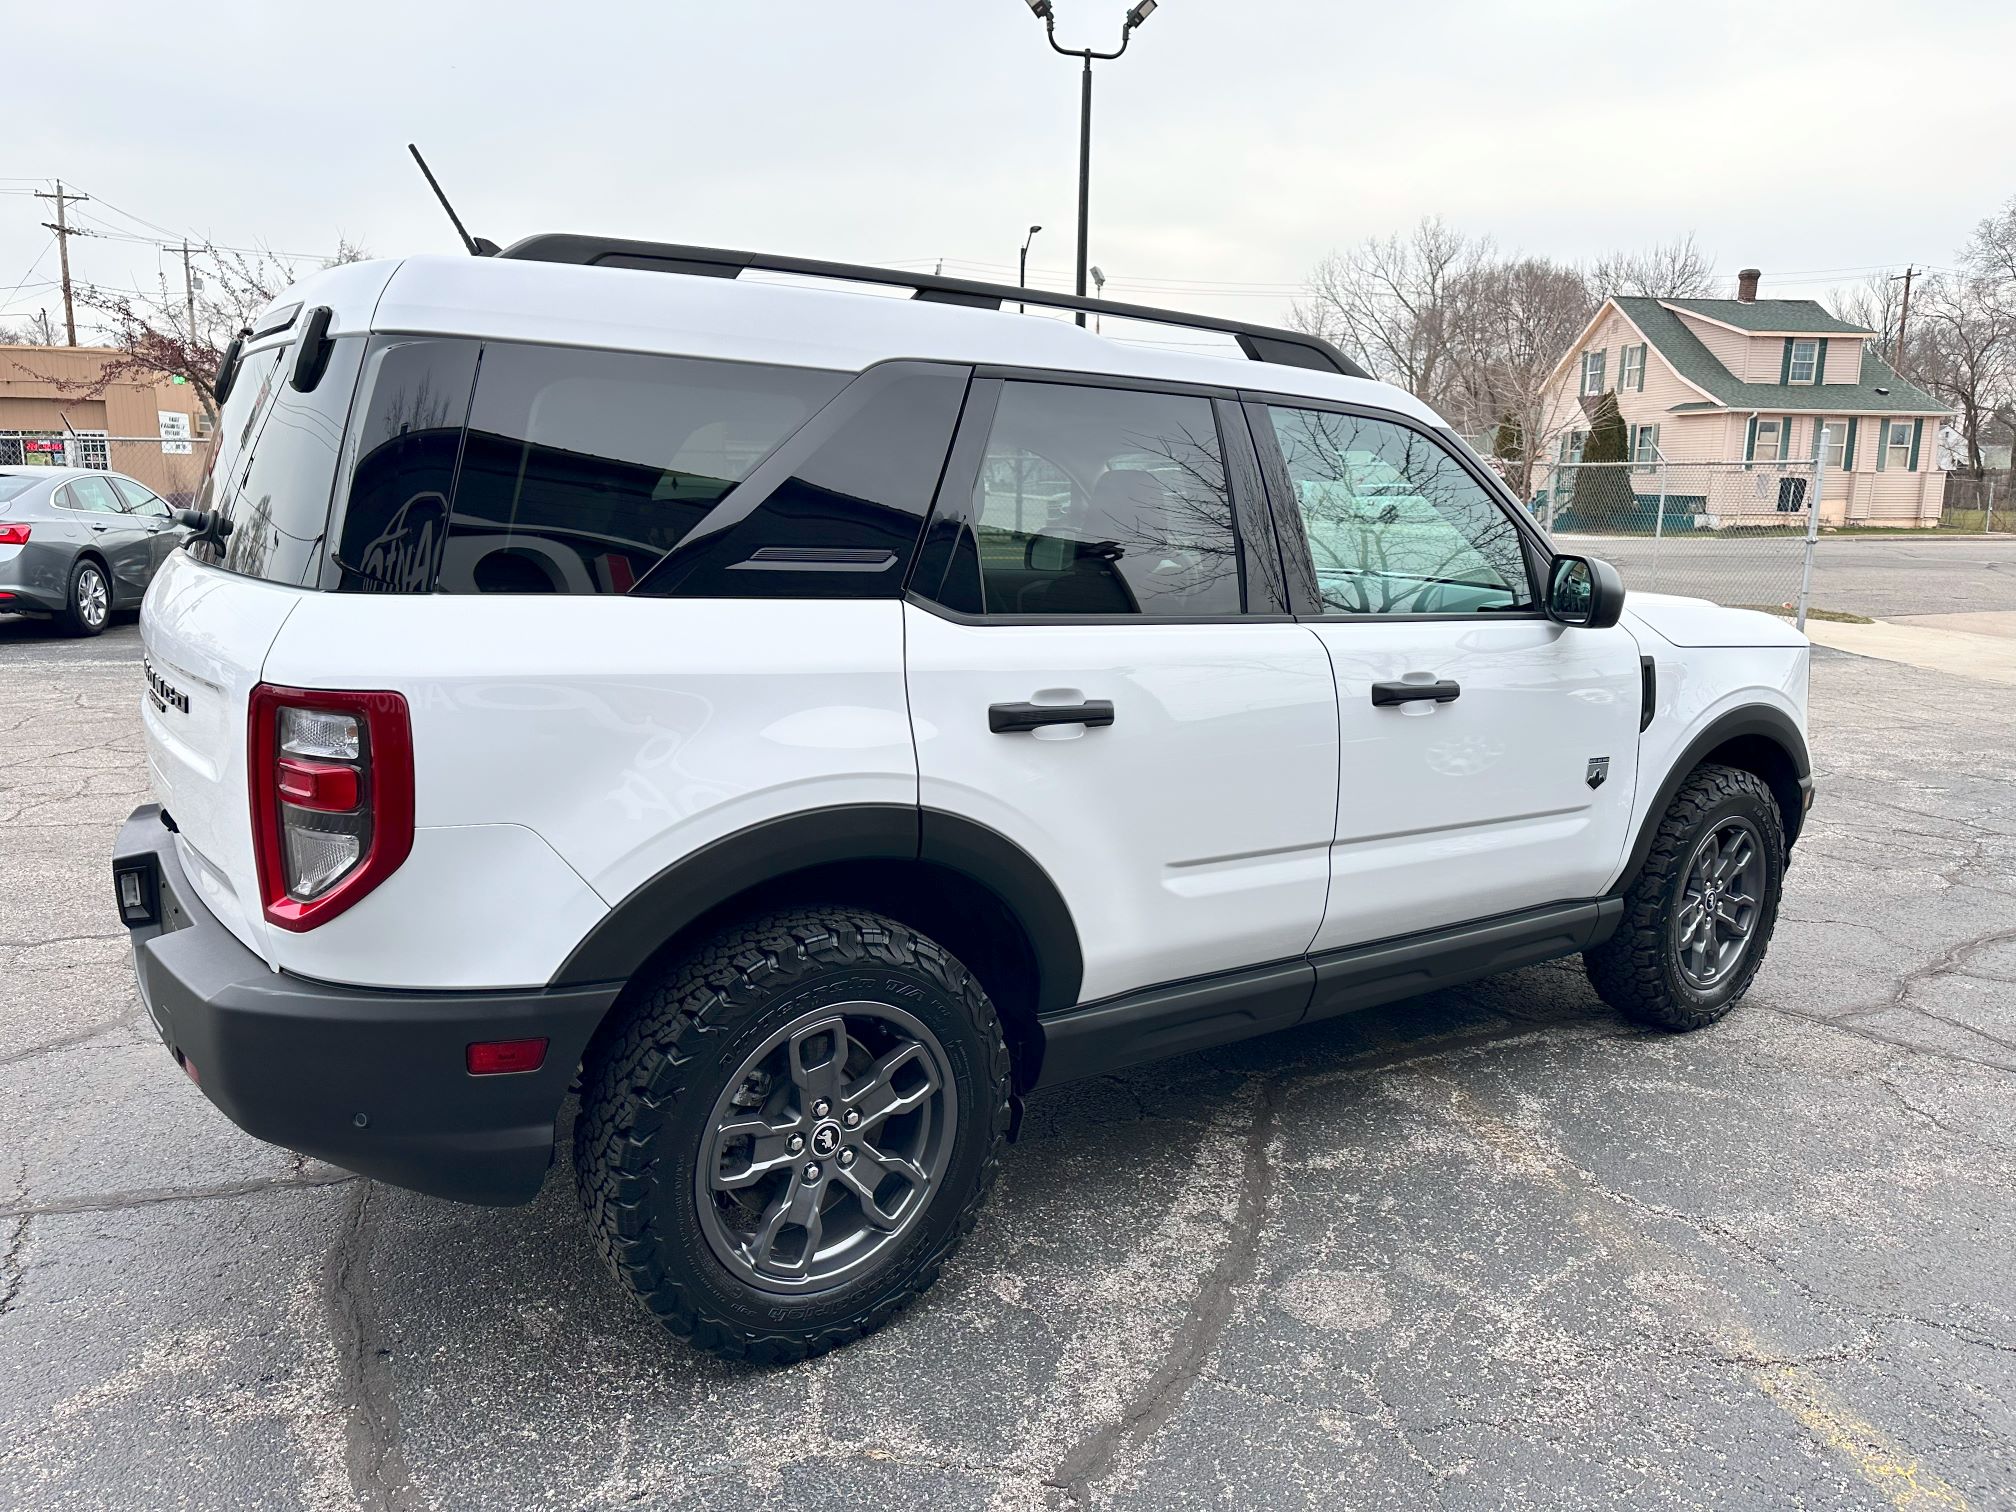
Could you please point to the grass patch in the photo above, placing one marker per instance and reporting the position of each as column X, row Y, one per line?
column 1790, row 611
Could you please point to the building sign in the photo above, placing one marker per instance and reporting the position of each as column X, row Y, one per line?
column 174, row 433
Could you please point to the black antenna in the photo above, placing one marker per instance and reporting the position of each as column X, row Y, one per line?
column 478, row 247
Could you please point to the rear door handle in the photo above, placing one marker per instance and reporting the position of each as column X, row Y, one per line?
column 1445, row 691
column 1007, row 718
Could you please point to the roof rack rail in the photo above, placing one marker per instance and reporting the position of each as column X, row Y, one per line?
column 1258, row 342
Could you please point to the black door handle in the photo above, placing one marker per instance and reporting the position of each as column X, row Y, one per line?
column 1005, row 719
column 1445, row 691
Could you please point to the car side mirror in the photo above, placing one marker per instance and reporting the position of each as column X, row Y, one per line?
column 1584, row 591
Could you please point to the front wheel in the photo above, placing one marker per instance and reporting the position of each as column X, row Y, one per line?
column 791, row 1129
column 1699, row 917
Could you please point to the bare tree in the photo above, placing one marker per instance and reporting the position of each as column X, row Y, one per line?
column 1677, row 269
column 1397, row 302
column 1964, row 351
column 1520, row 317
column 36, row 331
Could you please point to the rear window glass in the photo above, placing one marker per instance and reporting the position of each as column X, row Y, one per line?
column 273, row 465
column 13, row 486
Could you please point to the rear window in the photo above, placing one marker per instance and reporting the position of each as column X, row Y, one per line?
column 273, row 465
column 574, row 472
column 13, row 485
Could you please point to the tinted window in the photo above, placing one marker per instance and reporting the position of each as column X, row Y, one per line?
column 1104, row 501
column 139, row 500
column 401, row 462
column 836, row 512
column 94, row 495
column 13, row 485
column 273, row 466
column 1395, row 524
column 581, row 469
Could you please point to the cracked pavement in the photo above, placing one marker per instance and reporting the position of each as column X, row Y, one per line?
column 1489, row 1248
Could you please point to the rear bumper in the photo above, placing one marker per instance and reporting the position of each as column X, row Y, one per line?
column 34, row 579
column 369, row 1079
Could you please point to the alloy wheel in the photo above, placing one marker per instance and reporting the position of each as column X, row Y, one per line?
column 94, row 602
column 826, row 1146
column 1719, row 905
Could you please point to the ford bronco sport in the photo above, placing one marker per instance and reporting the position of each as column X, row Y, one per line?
column 808, row 722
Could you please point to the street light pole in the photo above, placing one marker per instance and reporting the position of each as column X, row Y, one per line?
column 1141, row 11
column 1022, row 273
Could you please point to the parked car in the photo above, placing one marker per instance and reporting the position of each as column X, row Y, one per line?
column 76, row 544
column 819, row 721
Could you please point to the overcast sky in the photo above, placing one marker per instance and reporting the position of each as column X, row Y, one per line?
column 1236, row 143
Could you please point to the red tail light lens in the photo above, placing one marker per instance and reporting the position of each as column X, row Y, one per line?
column 14, row 535
column 505, row 1057
column 331, row 775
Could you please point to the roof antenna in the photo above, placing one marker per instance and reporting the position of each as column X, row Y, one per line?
column 478, row 246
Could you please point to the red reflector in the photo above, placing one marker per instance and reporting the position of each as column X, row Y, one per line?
column 325, row 786
column 189, row 1066
column 496, row 1057
column 13, row 535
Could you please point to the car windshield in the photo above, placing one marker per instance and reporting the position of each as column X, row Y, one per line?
column 13, row 485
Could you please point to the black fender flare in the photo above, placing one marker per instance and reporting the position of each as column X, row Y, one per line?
column 631, row 932
column 1760, row 721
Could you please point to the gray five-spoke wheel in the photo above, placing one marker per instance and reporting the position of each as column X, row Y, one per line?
column 94, row 600
column 826, row 1146
column 1720, row 892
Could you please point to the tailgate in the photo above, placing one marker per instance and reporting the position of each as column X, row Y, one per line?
column 205, row 634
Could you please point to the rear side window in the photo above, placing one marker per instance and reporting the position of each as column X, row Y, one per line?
column 1104, row 501
column 274, row 463
column 92, row 495
column 582, row 469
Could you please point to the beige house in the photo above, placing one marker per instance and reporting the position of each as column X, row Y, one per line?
column 1752, row 382
column 150, row 428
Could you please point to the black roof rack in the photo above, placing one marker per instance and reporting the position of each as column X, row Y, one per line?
column 1258, row 342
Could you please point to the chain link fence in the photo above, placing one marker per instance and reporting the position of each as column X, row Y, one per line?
column 171, row 467
column 1733, row 532
column 1986, row 503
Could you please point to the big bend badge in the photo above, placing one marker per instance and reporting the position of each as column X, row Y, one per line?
column 1599, row 769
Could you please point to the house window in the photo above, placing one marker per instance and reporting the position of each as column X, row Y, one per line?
column 1805, row 364
column 1897, row 444
column 1645, row 445
column 1769, row 434
column 1592, row 372
column 1571, row 446
column 1631, row 368
column 1837, row 442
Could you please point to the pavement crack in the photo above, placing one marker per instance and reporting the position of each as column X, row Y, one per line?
column 112, row 1202
column 372, row 1456
column 1092, row 1458
column 13, row 1267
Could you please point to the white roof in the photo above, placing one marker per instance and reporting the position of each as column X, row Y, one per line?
column 622, row 309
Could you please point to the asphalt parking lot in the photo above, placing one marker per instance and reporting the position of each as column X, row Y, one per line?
column 1490, row 1248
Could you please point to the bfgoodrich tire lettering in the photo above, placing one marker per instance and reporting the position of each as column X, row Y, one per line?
column 1659, row 968
column 649, row 1139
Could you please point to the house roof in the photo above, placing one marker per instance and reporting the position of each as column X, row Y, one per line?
column 1700, row 367
column 1772, row 317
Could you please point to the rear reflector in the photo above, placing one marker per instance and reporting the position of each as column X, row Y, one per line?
column 326, row 786
column 499, row 1057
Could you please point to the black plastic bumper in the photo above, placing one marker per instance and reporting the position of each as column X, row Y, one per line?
column 369, row 1079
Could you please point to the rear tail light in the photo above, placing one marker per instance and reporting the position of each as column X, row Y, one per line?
column 332, row 798
column 14, row 535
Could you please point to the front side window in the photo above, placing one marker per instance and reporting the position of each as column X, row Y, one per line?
column 1396, row 525
column 1631, row 368
column 1767, row 441
column 1897, row 445
column 1592, row 372
column 1645, row 445
column 1804, row 364
column 1837, row 442
column 1104, row 501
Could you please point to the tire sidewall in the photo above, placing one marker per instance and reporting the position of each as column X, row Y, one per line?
column 682, row 1126
column 78, row 622
column 1763, row 814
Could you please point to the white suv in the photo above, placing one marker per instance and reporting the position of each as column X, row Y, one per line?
column 815, row 721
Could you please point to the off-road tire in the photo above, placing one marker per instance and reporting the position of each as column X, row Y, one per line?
column 1637, row 970
column 648, row 1092
column 76, row 617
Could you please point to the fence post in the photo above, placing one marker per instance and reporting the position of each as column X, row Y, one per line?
column 1659, row 519
column 1813, row 523
column 1988, row 520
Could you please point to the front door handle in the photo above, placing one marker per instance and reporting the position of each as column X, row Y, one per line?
column 1007, row 718
column 1445, row 691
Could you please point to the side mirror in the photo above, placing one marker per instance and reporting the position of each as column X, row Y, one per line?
column 1584, row 591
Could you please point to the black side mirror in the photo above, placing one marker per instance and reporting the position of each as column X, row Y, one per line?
column 1584, row 591
column 311, row 357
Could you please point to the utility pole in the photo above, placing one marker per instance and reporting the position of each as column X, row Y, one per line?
column 189, row 291
column 61, row 226
column 1903, row 314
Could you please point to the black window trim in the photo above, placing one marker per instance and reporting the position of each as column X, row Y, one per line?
column 1252, row 529
column 1299, row 563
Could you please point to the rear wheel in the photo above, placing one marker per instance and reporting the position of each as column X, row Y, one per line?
column 1699, row 917
column 791, row 1129
column 89, row 608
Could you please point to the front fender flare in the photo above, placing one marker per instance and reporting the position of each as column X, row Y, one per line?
column 1753, row 721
